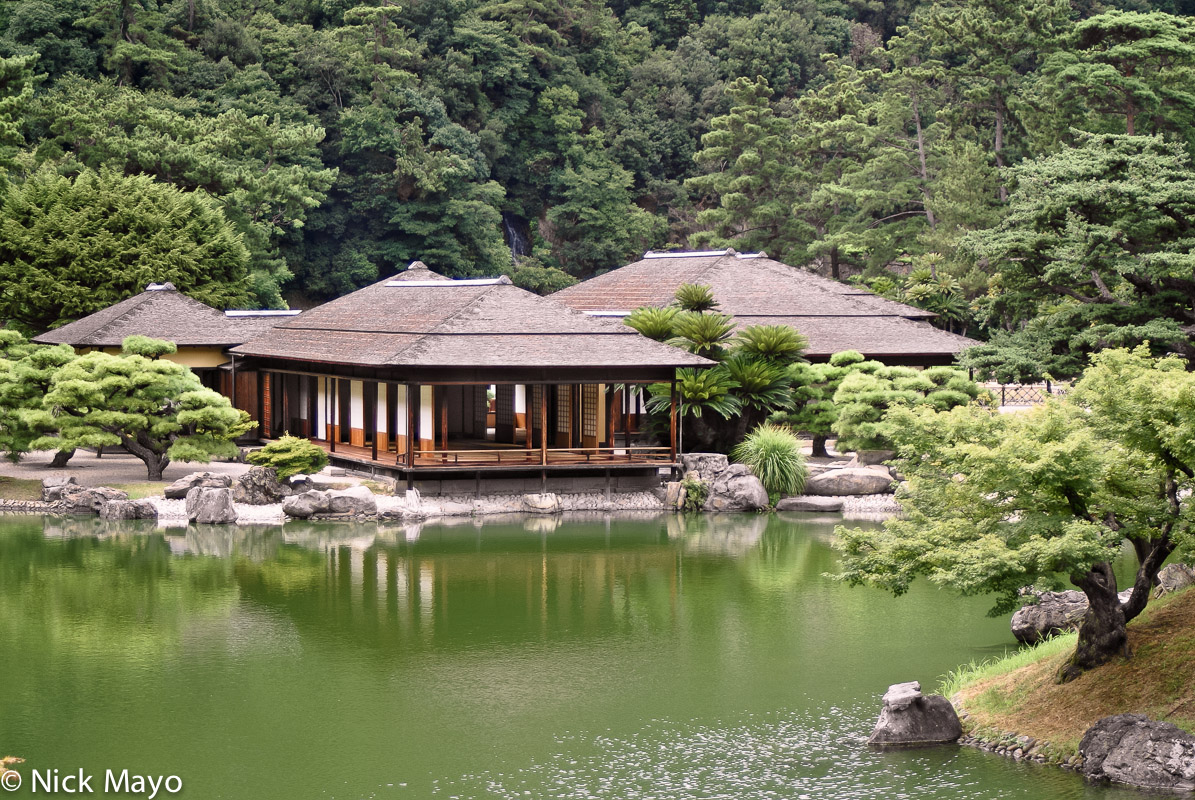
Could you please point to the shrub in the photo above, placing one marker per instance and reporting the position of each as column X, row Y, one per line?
column 696, row 493
column 291, row 455
column 774, row 454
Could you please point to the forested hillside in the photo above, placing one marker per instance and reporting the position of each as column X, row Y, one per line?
column 1022, row 167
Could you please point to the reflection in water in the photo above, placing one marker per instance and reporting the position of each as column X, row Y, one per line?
column 612, row 658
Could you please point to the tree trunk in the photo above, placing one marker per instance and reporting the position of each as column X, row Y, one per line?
column 155, row 463
column 1102, row 634
column 819, row 445
column 929, row 212
column 1002, row 191
column 60, row 458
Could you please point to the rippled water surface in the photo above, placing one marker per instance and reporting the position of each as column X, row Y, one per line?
column 617, row 659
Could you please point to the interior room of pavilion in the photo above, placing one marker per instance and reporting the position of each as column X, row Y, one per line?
column 421, row 374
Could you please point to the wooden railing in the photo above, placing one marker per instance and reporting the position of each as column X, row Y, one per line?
column 554, row 455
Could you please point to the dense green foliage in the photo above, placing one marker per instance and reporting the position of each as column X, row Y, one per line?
column 999, row 501
column 155, row 409
column 865, row 395
column 922, row 147
column 26, row 371
column 774, row 454
column 72, row 246
column 291, row 455
column 751, row 378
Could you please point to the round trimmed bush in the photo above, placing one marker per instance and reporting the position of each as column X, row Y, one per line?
column 290, row 455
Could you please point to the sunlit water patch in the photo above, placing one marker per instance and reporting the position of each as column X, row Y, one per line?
column 783, row 756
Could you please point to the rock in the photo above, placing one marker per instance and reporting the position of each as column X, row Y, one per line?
column 736, row 489
column 178, row 490
column 210, row 506
column 911, row 719
column 868, row 457
column 1174, row 577
column 307, row 504
column 259, row 487
column 850, row 481
column 674, row 495
column 707, row 465
column 546, row 503
column 53, row 487
column 297, row 484
column 88, row 500
column 128, row 509
column 353, row 500
column 1052, row 614
column 815, row 504
column 1137, row 751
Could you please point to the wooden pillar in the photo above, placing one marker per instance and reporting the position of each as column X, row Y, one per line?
column 312, row 407
column 334, row 385
column 626, row 412
column 529, row 416
column 574, row 397
column 543, row 425
column 610, row 417
column 412, row 432
column 442, row 392
column 371, row 392
column 672, row 422
column 284, row 382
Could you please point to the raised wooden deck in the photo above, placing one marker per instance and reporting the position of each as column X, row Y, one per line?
column 470, row 459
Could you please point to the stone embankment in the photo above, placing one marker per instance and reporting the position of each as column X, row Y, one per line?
column 259, row 497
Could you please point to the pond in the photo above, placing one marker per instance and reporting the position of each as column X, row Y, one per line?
column 615, row 658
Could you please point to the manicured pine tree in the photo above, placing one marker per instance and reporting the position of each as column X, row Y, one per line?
column 156, row 409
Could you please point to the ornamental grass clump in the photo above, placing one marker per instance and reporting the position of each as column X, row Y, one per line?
column 774, row 454
column 290, row 455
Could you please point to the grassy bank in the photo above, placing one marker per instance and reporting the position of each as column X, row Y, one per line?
column 1018, row 693
column 19, row 489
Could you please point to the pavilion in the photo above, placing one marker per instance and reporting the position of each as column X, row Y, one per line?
column 757, row 290
column 428, row 377
column 202, row 334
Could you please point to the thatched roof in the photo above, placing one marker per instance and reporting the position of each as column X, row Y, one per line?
column 758, row 290
column 163, row 312
column 422, row 319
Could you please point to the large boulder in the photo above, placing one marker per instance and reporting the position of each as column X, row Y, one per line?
column 209, row 480
column 1137, row 751
column 357, row 500
column 128, row 509
column 1174, row 577
column 736, row 489
column 869, row 457
column 1052, row 614
column 259, row 487
column 546, row 503
column 208, row 506
column 53, row 487
column 911, row 719
column 821, row 505
column 307, row 504
column 88, row 499
column 850, row 481
column 707, row 465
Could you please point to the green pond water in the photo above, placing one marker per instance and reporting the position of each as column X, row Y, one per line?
column 621, row 659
